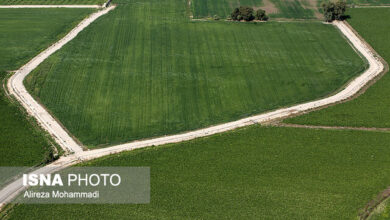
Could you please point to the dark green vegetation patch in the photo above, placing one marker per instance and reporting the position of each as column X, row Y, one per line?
column 371, row 109
column 25, row 32
column 125, row 78
column 253, row 173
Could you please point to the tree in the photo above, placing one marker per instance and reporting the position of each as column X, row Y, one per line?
column 260, row 15
column 246, row 13
column 243, row 13
column 334, row 10
column 235, row 14
column 339, row 10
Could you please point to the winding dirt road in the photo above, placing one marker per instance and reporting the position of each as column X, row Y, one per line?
column 50, row 6
column 16, row 88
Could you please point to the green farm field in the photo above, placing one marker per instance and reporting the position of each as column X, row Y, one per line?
column 125, row 78
column 292, row 9
column 24, row 33
column 252, row 173
column 372, row 109
column 369, row 2
column 52, row 2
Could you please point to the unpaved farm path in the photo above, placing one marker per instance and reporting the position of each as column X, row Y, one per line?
column 75, row 150
column 50, row 6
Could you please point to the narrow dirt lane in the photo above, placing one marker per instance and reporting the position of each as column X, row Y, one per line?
column 16, row 88
column 50, row 6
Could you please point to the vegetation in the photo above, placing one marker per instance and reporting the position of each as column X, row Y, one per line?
column 243, row 13
column 372, row 109
column 208, row 8
column 52, row 2
column 25, row 32
column 261, row 15
column 368, row 2
column 246, row 13
column 292, row 9
column 334, row 10
column 252, row 173
column 162, row 75
column 382, row 212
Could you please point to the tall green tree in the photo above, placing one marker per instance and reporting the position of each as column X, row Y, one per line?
column 334, row 10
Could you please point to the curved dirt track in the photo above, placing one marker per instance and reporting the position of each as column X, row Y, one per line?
column 16, row 87
column 50, row 6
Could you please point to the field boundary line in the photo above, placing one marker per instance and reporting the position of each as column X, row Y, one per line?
column 17, row 89
column 51, row 6
column 289, row 125
column 371, row 6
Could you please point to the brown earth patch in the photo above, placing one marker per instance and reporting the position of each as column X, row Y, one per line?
column 312, row 5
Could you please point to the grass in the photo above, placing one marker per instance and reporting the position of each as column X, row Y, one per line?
column 252, row 173
column 52, row 2
column 372, row 109
column 24, row 33
column 209, row 8
column 292, row 9
column 125, row 78
column 369, row 2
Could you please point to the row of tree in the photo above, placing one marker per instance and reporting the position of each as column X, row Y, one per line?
column 247, row 13
column 333, row 10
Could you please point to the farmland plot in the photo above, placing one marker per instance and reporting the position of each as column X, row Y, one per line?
column 126, row 78
column 25, row 32
column 252, row 173
column 275, row 8
column 371, row 109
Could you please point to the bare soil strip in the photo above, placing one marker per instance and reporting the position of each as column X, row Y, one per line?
column 50, row 6
column 371, row 206
column 268, row 6
column 312, row 6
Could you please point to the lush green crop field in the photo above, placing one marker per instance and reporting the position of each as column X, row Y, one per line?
column 371, row 109
column 284, row 9
column 369, row 2
column 253, row 173
column 125, row 78
column 52, row 2
column 24, row 32
column 292, row 9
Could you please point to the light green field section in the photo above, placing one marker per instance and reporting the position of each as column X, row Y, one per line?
column 125, row 78
column 253, row 173
column 25, row 32
column 372, row 109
